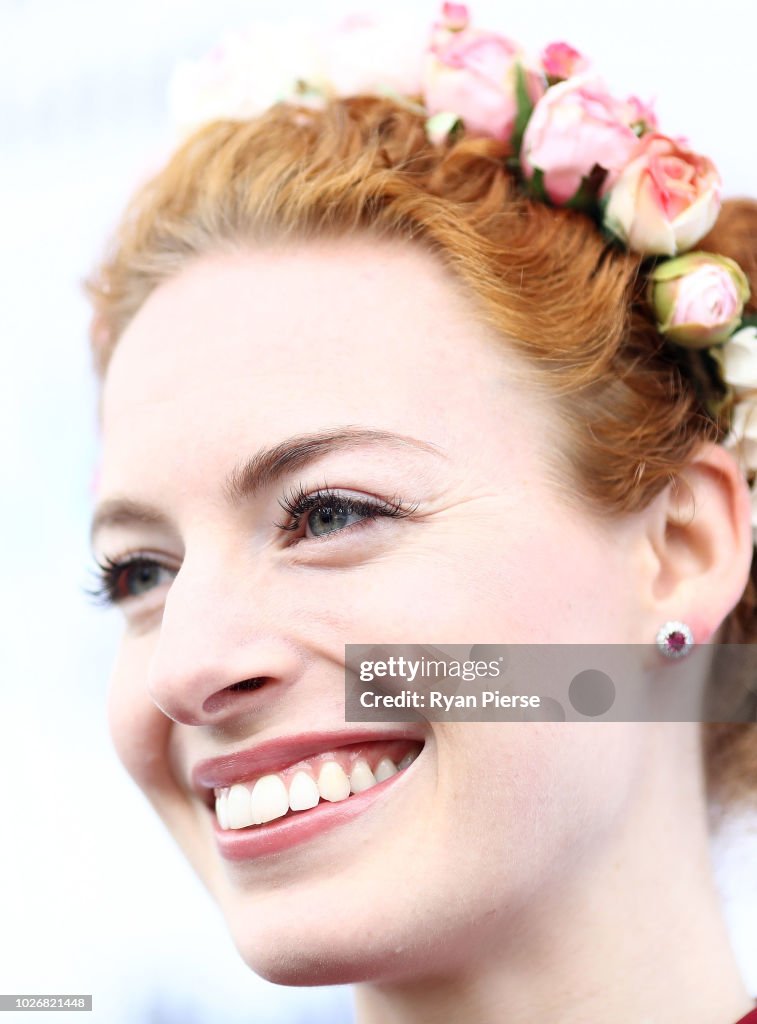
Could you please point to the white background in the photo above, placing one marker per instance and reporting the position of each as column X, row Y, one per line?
column 93, row 896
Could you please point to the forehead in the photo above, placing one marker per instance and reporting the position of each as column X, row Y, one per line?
column 257, row 344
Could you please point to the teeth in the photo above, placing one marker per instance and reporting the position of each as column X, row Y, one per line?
column 303, row 792
column 407, row 760
column 385, row 769
column 238, row 807
column 222, row 810
column 361, row 777
column 333, row 784
column 269, row 799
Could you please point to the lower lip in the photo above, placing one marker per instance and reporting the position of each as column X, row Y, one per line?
column 283, row 833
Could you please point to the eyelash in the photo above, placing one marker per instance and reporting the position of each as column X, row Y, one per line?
column 296, row 504
column 300, row 503
column 108, row 575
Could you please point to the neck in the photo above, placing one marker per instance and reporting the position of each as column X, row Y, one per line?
column 637, row 934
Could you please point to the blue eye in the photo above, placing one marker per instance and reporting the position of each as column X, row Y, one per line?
column 325, row 519
column 329, row 512
column 130, row 577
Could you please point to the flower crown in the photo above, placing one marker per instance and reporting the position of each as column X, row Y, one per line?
column 569, row 142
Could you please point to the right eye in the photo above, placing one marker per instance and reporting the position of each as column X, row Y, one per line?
column 118, row 580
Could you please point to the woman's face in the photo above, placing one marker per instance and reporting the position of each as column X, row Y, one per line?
column 247, row 352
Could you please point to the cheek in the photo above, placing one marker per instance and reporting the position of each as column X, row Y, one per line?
column 140, row 731
column 522, row 808
column 489, row 579
column 526, row 781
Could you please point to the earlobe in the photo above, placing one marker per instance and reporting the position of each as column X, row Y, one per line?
column 701, row 534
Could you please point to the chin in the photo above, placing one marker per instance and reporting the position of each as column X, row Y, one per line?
column 297, row 958
column 320, row 948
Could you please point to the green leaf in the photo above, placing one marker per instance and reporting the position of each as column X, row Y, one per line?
column 611, row 238
column 585, row 199
column 718, row 393
column 525, row 108
column 582, row 200
column 535, row 186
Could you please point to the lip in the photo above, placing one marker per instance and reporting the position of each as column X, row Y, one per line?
column 284, row 833
column 280, row 752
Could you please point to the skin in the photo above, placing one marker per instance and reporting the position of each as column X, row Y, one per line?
column 516, row 852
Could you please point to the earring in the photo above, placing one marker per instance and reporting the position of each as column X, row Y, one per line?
column 675, row 639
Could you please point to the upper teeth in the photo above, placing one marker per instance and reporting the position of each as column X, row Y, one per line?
column 272, row 796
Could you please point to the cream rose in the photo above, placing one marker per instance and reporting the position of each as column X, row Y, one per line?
column 666, row 199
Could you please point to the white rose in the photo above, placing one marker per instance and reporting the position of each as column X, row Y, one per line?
column 246, row 73
column 742, row 443
column 742, row 437
column 738, row 360
column 374, row 55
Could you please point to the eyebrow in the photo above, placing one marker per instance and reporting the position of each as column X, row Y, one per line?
column 262, row 469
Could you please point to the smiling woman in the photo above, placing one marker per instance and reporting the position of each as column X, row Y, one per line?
column 358, row 386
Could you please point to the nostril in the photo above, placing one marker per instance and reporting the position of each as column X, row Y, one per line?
column 246, row 684
column 225, row 699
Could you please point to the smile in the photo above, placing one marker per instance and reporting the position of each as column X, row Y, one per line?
column 331, row 777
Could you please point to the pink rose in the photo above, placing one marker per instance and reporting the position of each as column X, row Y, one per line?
column 455, row 16
column 666, row 199
column 698, row 298
column 561, row 61
column 474, row 74
column 574, row 128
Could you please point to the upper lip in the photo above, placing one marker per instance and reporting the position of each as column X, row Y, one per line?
column 275, row 754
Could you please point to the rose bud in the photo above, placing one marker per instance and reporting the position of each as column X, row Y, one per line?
column 698, row 298
column 561, row 61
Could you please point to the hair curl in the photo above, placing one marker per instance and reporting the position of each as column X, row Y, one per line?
column 566, row 299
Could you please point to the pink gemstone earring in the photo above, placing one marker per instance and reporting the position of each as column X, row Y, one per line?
column 675, row 639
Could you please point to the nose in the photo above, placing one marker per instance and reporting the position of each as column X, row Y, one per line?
column 222, row 638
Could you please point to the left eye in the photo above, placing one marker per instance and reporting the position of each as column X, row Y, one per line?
column 331, row 518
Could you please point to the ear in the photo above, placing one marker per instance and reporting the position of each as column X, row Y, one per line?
column 698, row 538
